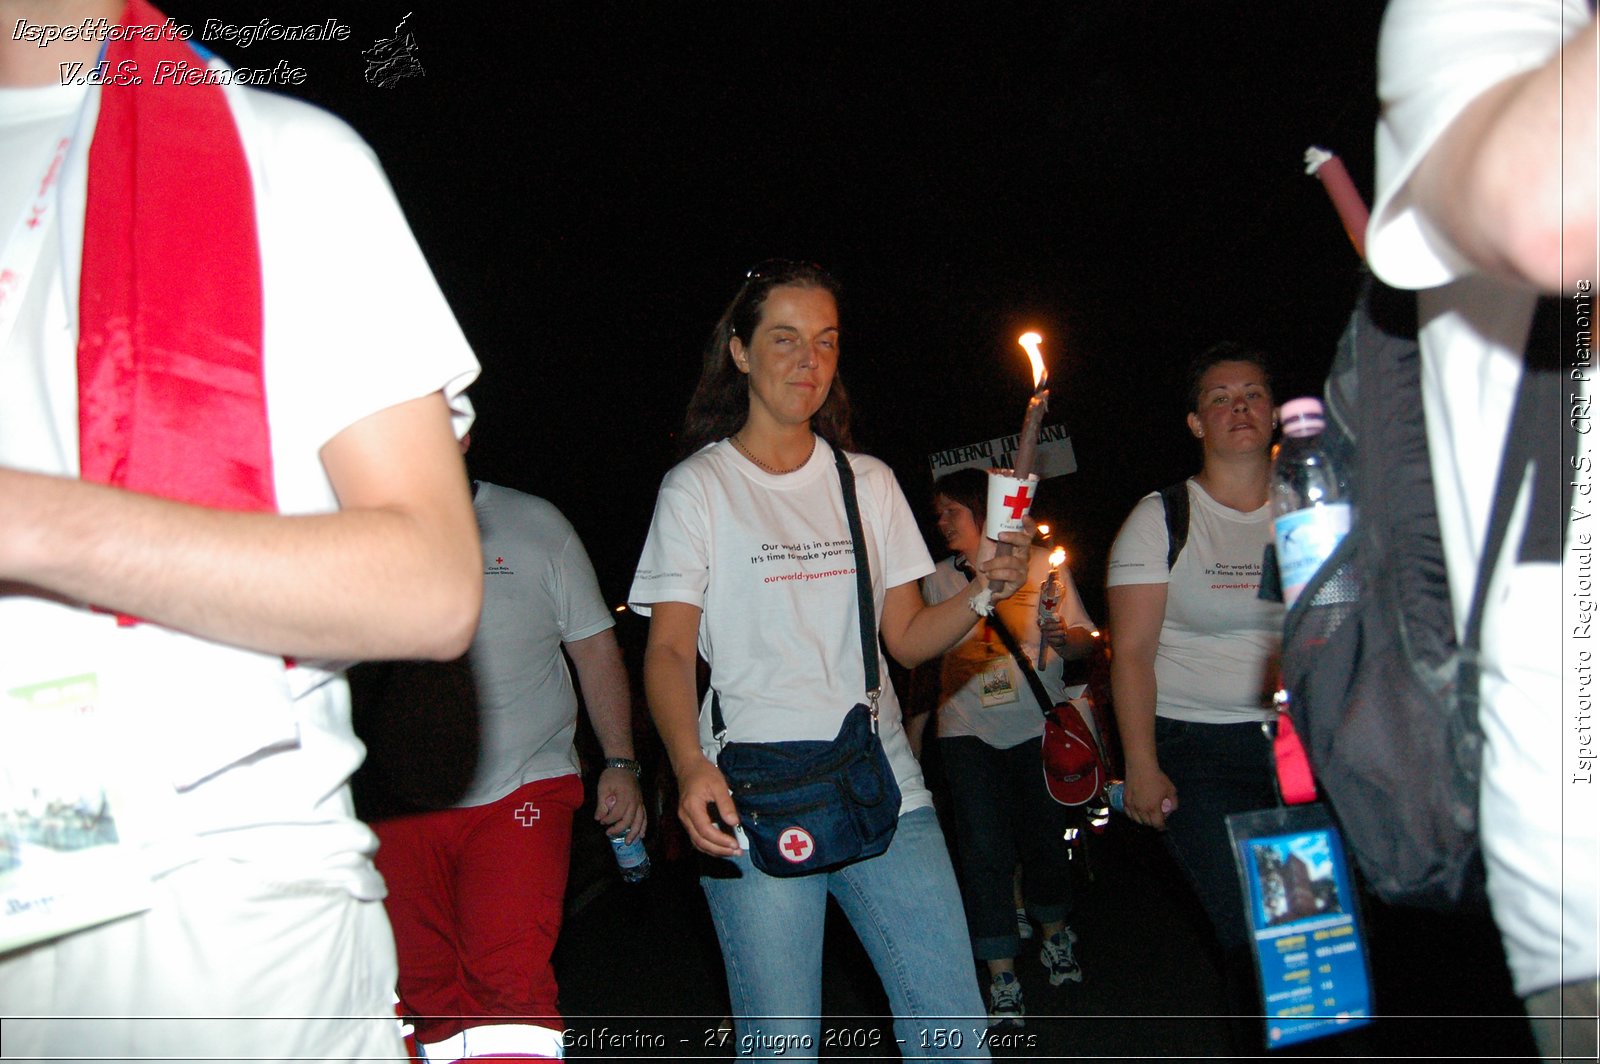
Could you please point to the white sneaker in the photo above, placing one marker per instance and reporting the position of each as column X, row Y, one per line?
column 1005, row 999
column 1058, row 959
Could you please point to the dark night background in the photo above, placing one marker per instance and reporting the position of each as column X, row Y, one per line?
column 590, row 180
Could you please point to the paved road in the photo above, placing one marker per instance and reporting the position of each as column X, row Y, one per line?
column 641, row 975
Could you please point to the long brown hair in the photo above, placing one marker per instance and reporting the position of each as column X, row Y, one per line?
column 721, row 399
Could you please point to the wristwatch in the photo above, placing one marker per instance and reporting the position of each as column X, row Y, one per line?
column 625, row 762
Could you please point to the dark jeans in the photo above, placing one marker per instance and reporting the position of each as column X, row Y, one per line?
column 1002, row 814
column 1218, row 769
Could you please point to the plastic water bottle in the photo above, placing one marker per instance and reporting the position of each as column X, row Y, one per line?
column 1117, row 799
column 1310, row 503
column 633, row 860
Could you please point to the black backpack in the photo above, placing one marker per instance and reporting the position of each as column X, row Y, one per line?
column 1383, row 697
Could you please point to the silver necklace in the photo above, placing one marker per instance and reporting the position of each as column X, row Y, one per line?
column 738, row 443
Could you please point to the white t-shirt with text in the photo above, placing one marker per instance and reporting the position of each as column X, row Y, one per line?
column 769, row 562
column 982, row 691
column 1216, row 661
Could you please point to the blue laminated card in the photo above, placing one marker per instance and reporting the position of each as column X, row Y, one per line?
column 1300, row 901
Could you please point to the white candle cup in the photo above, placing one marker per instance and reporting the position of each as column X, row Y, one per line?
column 1010, row 500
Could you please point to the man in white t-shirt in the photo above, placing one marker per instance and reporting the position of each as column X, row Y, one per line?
column 477, row 757
column 1486, row 197
column 229, row 907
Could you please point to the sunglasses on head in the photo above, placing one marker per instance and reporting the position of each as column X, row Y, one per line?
column 769, row 268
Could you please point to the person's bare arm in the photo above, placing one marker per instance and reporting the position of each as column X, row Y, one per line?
column 1137, row 612
column 670, row 657
column 393, row 574
column 603, row 679
column 914, row 632
column 1512, row 182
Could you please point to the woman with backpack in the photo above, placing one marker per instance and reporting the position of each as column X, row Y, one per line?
column 1194, row 660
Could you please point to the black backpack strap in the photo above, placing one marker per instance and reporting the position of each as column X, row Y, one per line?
column 1175, row 498
column 1533, row 441
column 1550, row 433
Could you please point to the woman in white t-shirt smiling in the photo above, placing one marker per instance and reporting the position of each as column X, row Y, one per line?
column 749, row 564
column 1195, row 649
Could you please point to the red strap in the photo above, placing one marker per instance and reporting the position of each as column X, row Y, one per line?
column 1295, row 781
column 171, row 399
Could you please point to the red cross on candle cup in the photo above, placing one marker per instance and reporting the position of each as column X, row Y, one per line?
column 796, row 845
column 1019, row 503
column 1010, row 500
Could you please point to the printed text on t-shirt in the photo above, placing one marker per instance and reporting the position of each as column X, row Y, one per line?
column 803, row 551
column 1246, row 576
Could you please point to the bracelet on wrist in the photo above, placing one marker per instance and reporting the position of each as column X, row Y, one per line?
column 625, row 762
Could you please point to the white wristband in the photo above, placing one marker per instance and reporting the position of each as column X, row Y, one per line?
column 980, row 602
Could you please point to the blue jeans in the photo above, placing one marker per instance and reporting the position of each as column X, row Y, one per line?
column 905, row 908
column 1004, row 814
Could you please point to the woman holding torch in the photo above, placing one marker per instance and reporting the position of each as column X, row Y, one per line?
column 990, row 729
column 750, row 562
column 1194, row 650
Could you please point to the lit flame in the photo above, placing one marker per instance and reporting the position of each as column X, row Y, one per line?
column 1030, row 343
column 1044, row 530
column 1058, row 556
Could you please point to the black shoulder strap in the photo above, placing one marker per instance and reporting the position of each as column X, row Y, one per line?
column 869, row 625
column 1028, row 673
column 1175, row 497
